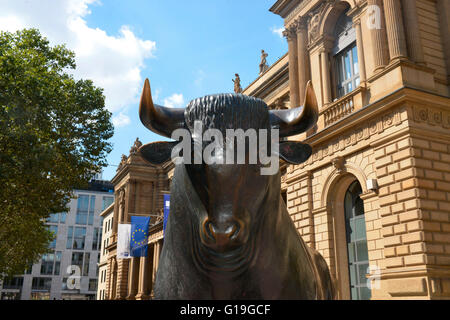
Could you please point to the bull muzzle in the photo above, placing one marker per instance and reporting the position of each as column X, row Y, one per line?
column 222, row 235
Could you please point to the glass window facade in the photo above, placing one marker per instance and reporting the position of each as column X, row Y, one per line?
column 345, row 56
column 76, row 238
column 51, row 263
column 358, row 257
column 57, row 217
column 82, row 209
column 347, row 71
column 92, row 284
column 107, row 201
column 87, row 257
column 13, row 283
column 96, row 240
column 41, row 284
column 54, row 230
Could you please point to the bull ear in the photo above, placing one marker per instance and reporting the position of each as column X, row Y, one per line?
column 157, row 152
column 295, row 152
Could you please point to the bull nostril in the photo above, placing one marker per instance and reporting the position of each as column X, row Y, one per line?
column 234, row 231
column 209, row 230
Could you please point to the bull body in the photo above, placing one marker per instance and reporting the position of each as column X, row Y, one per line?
column 274, row 264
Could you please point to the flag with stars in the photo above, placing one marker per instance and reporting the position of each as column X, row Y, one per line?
column 166, row 211
column 139, row 236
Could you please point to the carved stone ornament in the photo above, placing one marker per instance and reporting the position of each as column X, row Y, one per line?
column 123, row 161
column 290, row 33
column 339, row 164
column 315, row 20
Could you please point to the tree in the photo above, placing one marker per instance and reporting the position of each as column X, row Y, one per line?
column 54, row 133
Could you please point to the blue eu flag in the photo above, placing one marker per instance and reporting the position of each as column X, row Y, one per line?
column 139, row 236
column 166, row 211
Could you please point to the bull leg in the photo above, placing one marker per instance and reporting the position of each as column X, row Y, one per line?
column 325, row 287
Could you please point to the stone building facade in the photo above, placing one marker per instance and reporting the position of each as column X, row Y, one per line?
column 139, row 188
column 374, row 198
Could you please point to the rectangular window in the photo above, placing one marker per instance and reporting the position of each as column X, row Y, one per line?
column 77, row 259
column 58, row 256
column 91, row 211
column 82, row 209
column 13, row 283
column 54, row 230
column 69, row 243
column 62, row 217
column 87, row 257
column 47, row 264
column 53, row 218
column 41, row 284
column 347, row 70
column 79, row 238
column 107, row 201
column 92, row 284
column 96, row 240
column 51, row 263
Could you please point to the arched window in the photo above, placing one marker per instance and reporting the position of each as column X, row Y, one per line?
column 345, row 56
column 358, row 257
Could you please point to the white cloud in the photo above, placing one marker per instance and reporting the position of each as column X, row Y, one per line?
column 278, row 31
column 112, row 62
column 174, row 101
column 199, row 77
column 121, row 120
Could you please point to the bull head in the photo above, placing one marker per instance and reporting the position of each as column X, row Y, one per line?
column 164, row 121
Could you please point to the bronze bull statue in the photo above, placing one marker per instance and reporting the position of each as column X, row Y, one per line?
column 229, row 234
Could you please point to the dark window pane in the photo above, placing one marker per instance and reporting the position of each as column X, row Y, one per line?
column 351, row 252
column 362, row 251
column 356, row 241
column 363, row 269
column 365, row 292
column 107, row 201
column 86, row 264
column 62, row 217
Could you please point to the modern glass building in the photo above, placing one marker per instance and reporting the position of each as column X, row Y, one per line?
column 70, row 270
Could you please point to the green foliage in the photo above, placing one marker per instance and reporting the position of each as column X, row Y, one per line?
column 54, row 133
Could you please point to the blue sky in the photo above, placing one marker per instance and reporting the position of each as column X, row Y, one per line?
column 186, row 48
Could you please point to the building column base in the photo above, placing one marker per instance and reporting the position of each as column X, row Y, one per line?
column 142, row 296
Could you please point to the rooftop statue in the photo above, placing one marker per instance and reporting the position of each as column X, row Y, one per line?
column 237, row 84
column 263, row 65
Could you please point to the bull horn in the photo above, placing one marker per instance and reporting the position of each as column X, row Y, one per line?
column 295, row 121
column 159, row 119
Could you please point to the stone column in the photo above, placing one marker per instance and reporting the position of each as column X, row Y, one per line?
column 412, row 31
column 326, row 84
column 360, row 46
column 378, row 34
column 395, row 29
column 155, row 260
column 144, row 293
column 133, row 278
column 116, row 213
column 303, row 66
column 291, row 37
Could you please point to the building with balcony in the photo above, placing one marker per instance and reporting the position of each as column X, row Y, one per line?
column 374, row 198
